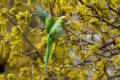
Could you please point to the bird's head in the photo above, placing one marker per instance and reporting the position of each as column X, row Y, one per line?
column 63, row 19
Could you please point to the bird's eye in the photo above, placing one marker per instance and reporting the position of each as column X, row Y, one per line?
column 65, row 20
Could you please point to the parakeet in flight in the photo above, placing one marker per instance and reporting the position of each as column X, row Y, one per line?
column 53, row 28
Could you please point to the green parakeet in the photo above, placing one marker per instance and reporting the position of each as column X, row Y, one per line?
column 53, row 36
column 45, row 17
column 54, row 30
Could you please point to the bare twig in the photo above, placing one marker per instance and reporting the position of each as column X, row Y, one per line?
column 109, row 42
column 115, row 76
column 52, row 7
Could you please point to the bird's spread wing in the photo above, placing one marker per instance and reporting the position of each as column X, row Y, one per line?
column 45, row 17
column 41, row 13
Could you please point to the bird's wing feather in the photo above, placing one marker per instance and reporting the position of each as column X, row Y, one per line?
column 41, row 12
column 56, row 31
column 49, row 22
column 45, row 17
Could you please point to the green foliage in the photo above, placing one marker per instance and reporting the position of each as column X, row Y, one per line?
column 99, row 72
column 117, row 41
column 82, row 74
column 11, row 76
column 116, row 60
column 93, row 49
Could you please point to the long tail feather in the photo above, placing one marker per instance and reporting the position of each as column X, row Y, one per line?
column 48, row 52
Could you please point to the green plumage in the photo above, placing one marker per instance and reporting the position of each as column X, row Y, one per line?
column 49, row 22
column 48, row 52
column 53, row 36
column 41, row 13
column 45, row 17
column 53, row 28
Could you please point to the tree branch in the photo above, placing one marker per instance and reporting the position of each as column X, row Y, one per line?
column 97, row 15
